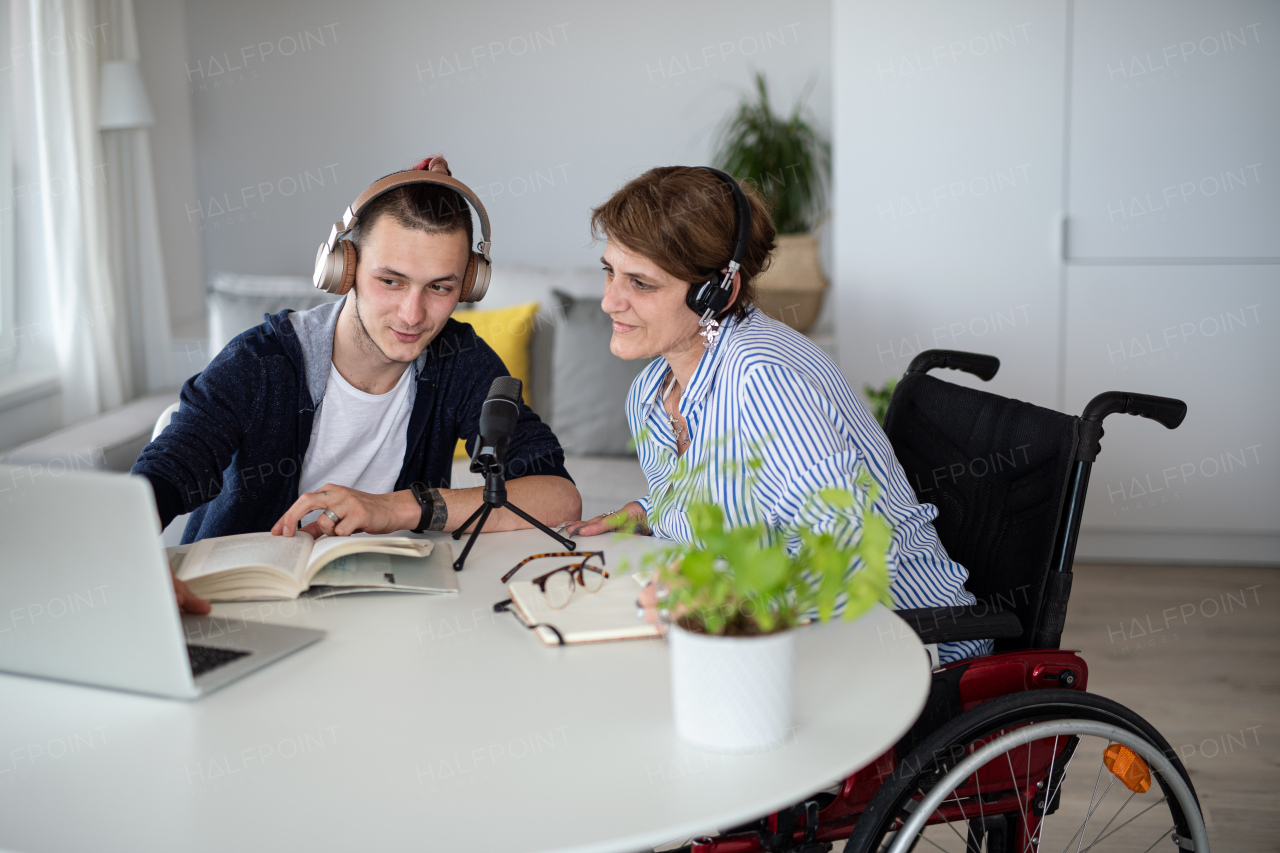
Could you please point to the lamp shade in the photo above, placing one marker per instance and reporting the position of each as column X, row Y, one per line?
column 122, row 101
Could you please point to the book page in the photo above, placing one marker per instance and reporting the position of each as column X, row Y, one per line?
column 432, row 574
column 330, row 548
column 287, row 555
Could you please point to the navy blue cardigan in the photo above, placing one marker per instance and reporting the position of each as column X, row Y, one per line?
column 233, row 453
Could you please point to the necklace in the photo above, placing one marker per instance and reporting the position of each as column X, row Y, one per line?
column 673, row 421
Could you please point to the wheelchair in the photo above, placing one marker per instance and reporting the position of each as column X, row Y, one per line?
column 1011, row 754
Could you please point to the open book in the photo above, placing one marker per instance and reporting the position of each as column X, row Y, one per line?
column 261, row 566
column 589, row 617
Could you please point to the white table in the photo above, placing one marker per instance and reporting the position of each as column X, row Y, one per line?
column 432, row 723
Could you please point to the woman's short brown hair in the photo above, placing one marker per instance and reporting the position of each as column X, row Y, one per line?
column 684, row 220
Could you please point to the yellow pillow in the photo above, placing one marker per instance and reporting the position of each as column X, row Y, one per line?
column 509, row 332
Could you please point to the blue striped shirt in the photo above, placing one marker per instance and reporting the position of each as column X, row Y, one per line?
column 767, row 392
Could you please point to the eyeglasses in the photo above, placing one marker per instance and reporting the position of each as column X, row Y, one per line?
column 585, row 555
column 557, row 586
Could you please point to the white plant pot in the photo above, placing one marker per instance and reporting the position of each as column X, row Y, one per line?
column 732, row 694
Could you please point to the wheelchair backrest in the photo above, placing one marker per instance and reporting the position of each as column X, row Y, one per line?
column 997, row 469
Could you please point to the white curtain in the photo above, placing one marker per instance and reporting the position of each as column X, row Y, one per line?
column 64, row 265
column 90, row 275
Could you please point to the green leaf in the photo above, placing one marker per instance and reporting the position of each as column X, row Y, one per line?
column 765, row 573
column 698, row 567
column 841, row 498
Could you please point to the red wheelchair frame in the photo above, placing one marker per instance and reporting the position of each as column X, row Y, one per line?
column 980, row 680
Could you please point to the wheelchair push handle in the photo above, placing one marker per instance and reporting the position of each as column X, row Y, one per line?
column 1164, row 410
column 982, row 366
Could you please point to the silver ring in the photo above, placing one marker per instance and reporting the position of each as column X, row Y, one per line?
column 333, row 516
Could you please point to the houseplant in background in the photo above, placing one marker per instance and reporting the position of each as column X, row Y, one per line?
column 789, row 161
column 878, row 399
column 736, row 594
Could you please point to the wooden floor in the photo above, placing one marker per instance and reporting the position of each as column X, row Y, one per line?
column 1196, row 651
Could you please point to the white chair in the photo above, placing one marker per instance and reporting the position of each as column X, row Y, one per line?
column 173, row 533
column 163, row 420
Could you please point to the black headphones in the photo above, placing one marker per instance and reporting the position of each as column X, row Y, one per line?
column 709, row 298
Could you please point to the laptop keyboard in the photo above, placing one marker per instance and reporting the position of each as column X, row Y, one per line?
column 205, row 658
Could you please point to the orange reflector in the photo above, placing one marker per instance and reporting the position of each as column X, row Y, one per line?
column 1131, row 770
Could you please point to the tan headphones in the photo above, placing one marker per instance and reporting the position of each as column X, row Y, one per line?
column 336, row 259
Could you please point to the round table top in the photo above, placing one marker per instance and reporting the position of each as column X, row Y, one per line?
column 433, row 722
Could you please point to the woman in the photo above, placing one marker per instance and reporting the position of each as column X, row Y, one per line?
column 742, row 386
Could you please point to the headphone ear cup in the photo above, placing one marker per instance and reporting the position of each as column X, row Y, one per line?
column 475, row 282
column 335, row 271
column 323, row 277
column 469, row 278
column 346, row 273
column 704, row 295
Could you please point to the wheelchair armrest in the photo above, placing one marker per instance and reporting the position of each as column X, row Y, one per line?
column 969, row 622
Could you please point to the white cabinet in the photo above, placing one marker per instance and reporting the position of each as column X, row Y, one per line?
column 1206, row 335
column 1175, row 130
column 1174, row 265
column 960, row 148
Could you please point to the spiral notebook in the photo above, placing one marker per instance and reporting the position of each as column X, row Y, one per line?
column 589, row 617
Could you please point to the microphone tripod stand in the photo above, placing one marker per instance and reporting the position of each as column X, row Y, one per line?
column 495, row 497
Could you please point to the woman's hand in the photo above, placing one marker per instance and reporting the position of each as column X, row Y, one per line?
column 357, row 512
column 648, row 602
column 629, row 519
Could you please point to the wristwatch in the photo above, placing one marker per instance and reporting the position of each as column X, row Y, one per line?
column 423, row 495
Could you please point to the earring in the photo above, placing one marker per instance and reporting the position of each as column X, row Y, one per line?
column 710, row 333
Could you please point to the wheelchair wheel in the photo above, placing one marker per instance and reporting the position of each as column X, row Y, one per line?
column 1103, row 780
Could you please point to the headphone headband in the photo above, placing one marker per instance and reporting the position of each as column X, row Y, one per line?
column 743, row 209
column 335, row 268
column 710, row 298
column 394, row 181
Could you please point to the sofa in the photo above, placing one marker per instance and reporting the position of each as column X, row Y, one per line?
column 573, row 382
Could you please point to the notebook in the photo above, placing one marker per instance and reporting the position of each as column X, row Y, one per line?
column 589, row 617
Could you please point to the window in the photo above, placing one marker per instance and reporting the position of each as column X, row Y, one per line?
column 8, row 300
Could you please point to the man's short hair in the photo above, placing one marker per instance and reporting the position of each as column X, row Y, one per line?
column 432, row 208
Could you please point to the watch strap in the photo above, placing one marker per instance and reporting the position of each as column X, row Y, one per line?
column 426, row 501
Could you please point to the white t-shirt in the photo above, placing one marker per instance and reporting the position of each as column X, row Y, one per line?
column 357, row 440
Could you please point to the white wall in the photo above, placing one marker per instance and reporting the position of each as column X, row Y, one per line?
column 544, row 107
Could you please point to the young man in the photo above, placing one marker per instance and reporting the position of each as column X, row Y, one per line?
column 328, row 418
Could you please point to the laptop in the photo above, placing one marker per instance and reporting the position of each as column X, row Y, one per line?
column 86, row 594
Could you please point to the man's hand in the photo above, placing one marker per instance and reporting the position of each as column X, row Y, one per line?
column 630, row 519
column 187, row 599
column 358, row 512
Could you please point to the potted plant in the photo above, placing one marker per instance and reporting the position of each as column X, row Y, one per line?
column 735, row 596
column 789, row 161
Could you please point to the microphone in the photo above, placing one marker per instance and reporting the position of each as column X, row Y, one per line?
column 498, row 418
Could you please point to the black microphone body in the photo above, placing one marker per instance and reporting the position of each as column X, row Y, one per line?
column 498, row 418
